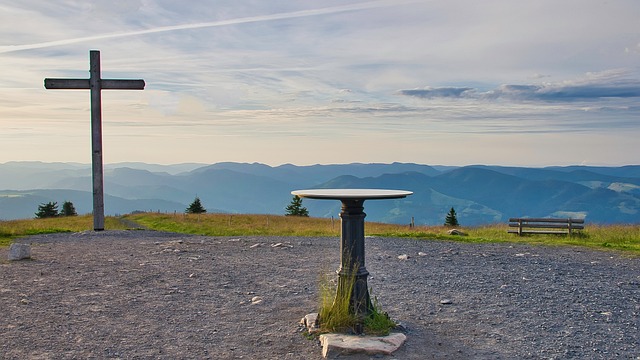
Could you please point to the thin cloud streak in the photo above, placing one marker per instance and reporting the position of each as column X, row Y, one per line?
column 594, row 87
column 244, row 20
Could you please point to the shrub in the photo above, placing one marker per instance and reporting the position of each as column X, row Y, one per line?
column 295, row 208
column 196, row 207
column 68, row 209
column 47, row 210
column 451, row 219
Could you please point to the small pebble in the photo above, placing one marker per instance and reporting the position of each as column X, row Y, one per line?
column 256, row 300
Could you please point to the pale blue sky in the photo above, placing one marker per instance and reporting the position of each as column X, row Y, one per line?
column 435, row 82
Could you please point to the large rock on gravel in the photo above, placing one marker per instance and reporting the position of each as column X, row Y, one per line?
column 310, row 321
column 336, row 345
column 19, row 251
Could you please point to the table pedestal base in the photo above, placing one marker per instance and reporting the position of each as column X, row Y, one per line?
column 352, row 274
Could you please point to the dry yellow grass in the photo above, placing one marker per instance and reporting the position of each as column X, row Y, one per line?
column 615, row 237
column 15, row 228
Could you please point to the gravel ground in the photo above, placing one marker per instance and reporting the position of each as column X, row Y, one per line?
column 152, row 295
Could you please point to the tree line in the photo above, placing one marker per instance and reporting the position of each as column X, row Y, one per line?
column 50, row 210
column 295, row 208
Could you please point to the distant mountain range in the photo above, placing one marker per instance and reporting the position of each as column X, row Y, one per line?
column 479, row 194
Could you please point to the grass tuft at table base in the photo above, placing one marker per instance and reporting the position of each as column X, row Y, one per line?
column 336, row 316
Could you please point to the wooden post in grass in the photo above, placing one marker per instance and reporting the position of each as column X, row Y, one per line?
column 95, row 84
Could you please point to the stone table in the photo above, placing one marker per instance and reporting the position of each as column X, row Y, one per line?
column 352, row 255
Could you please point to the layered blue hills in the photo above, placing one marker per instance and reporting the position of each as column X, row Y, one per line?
column 480, row 194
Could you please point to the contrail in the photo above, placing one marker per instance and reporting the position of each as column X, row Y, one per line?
column 244, row 20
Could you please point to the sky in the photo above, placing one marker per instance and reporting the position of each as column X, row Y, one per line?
column 456, row 82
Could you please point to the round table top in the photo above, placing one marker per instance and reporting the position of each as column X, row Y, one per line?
column 346, row 194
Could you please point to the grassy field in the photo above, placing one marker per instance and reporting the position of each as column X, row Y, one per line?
column 614, row 237
column 17, row 228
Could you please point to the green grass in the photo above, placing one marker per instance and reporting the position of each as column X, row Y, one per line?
column 378, row 323
column 237, row 225
column 610, row 237
column 12, row 229
column 604, row 237
column 335, row 314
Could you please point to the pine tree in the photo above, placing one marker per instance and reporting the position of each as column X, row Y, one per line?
column 47, row 210
column 451, row 219
column 295, row 208
column 68, row 209
column 196, row 207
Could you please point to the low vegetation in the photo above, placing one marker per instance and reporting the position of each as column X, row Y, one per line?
column 610, row 237
column 333, row 309
column 335, row 315
column 12, row 229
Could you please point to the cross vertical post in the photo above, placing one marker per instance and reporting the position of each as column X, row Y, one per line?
column 95, row 84
column 97, row 166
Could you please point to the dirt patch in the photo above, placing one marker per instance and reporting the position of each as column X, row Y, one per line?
column 152, row 295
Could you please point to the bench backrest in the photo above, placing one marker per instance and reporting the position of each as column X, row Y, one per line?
column 547, row 220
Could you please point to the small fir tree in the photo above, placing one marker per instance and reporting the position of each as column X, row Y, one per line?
column 47, row 210
column 68, row 209
column 451, row 219
column 196, row 207
column 295, row 208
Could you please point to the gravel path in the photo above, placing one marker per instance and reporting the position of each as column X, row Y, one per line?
column 152, row 295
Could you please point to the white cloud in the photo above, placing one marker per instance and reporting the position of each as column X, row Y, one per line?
column 263, row 73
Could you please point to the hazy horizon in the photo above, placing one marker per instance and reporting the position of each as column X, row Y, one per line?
column 497, row 82
column 88, row 164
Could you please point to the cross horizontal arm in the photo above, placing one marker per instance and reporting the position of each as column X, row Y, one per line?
column 122, row 84
column 106, row 84
column 66, row 83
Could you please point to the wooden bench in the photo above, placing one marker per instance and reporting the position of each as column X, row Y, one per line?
column 522, row 226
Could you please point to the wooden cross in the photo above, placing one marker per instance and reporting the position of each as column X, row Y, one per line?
column 95, row 84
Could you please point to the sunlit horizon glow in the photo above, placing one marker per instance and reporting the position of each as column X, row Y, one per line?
column 456, row 83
